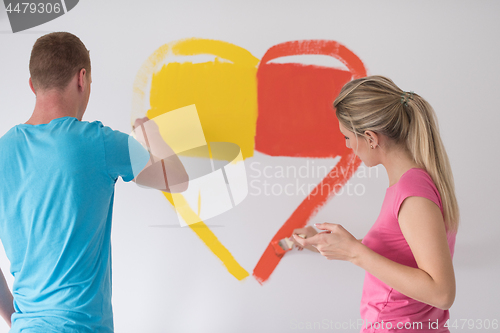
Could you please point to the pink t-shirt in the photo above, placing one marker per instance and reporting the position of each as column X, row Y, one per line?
column 384, row 309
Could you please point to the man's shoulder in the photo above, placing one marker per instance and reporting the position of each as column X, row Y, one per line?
column 7, row 136
column 93, row 124
column 99, row 125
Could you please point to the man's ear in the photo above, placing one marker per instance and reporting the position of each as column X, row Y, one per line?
column 82, row 79
column 31, row 86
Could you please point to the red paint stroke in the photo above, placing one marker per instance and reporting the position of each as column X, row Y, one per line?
column 296, row 118
column 345, row 168
column 295, row 101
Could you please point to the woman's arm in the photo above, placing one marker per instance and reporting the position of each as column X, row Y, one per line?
column 421, row 222
column 433, row 282
column 6, row 300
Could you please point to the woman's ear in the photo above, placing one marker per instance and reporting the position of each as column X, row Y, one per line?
column 372, row 138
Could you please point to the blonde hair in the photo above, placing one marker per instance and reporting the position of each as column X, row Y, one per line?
column 375, row 103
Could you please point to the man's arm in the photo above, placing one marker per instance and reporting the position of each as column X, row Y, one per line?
column 6, row 300
column 165, row 174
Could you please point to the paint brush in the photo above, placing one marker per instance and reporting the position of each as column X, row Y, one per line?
column 284, row 245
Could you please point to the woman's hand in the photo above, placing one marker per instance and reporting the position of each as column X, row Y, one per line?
column 308, row 232
column 335, row 243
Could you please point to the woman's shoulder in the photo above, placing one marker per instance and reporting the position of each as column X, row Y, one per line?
column 415, row 175
column 418, row 182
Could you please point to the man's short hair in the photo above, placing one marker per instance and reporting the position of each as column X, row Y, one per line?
column 55, row 59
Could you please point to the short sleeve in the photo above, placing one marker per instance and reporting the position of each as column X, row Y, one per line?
column 416, row 183
column 125, row 156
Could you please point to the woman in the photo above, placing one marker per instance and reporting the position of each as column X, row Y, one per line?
column 407, row 254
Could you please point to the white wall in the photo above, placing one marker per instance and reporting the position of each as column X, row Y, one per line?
column 165, row 279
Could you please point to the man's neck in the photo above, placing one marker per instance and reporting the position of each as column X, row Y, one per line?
column 52, row 105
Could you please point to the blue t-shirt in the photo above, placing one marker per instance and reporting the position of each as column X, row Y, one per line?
column 57, row 185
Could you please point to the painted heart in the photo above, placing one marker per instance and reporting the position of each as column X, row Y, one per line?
column 293, row 103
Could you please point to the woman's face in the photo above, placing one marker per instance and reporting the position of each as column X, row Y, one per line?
column 359, row 145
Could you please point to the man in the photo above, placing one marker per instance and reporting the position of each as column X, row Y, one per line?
column 57, row 177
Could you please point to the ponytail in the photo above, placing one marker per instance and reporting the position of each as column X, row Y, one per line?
column 425, row 145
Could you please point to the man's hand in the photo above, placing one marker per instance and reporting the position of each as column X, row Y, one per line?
column 335, row 243
column 139, row 121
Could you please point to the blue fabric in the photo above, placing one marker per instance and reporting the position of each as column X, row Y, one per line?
column 56, row 200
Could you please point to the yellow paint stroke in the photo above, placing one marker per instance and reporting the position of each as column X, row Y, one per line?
column 225, row 94
column 208, row 237
column 224, row 90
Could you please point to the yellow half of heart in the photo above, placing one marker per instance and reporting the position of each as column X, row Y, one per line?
column 224, row 90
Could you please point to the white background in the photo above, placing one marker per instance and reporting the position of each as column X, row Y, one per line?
column 164, row 278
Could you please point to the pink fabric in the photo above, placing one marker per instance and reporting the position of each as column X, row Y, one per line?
column 379, row 302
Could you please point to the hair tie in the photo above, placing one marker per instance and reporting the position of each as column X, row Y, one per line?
column 405, row 97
